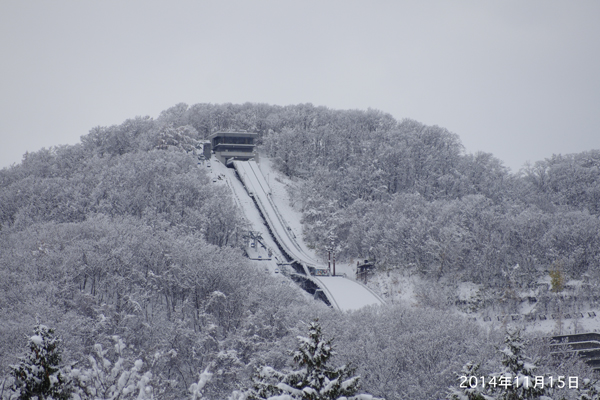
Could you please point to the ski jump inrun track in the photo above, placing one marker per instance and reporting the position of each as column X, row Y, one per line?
column 341, row 292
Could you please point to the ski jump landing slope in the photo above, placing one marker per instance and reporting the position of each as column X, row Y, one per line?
column 343, row 293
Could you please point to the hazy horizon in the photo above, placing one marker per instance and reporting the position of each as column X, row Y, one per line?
column 518, row 80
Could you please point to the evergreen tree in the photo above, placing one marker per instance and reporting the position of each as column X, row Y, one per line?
column 38, row 374
column 314, row 380
column 590, row 390
column 517, row 379
column 468, row 390
column 265, row 383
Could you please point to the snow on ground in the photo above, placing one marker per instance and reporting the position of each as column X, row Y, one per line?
column 221, row 175
column 467, row 290
column 256, row 185
column 347, row 294
column 548, row 326
column 279, row 193
column 396, row 287
column 405, row 289
column 527, row 307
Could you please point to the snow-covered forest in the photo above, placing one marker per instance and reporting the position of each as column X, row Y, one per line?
column 122, row 243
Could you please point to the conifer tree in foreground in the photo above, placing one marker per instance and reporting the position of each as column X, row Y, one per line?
column 516, row 380
column 518, row 371
column 314, row 380
column 466, row 391
column 38, row 374
column 590, row 390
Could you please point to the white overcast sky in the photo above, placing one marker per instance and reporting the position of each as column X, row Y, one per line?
column 519, row 79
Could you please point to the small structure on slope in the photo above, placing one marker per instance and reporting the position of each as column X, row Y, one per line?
column 363, row 270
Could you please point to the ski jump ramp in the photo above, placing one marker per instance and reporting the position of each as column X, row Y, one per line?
column 342, row 293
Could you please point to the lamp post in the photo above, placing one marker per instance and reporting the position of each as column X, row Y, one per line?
column 334, row 263
column 332, row 256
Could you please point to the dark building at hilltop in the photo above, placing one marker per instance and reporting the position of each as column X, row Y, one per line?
column 234, row 146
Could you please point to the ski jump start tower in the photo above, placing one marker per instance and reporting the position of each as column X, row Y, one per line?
column 234, row 145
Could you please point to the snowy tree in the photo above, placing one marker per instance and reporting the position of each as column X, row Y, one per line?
column 315, row 380
column 112, row 380
column 517, row 379
column 7, row 389
column 468, row 389
column 196, row 388
column 266, row 381
column 39, row 374
column 590, row 390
